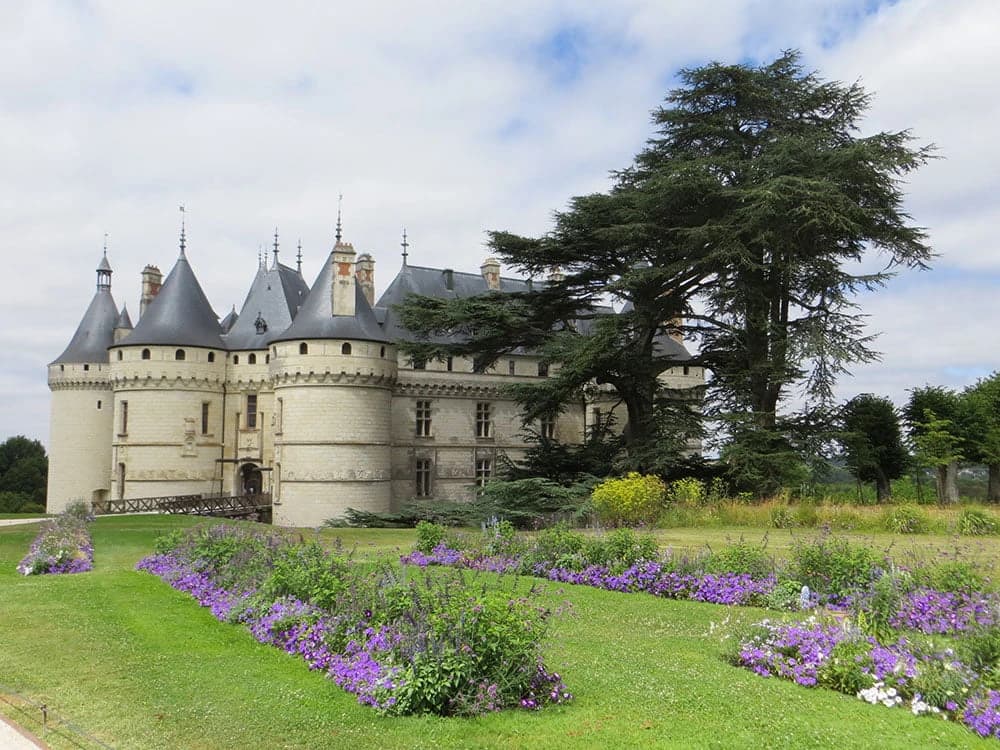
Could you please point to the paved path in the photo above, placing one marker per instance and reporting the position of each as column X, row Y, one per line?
column 15, row 522
column 14, row 738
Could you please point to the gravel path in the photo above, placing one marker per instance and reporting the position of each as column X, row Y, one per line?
column 15, row 522
column 13, row 738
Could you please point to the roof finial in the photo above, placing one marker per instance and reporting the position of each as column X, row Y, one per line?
column 275, row 247
column 405, row 245
column 298, row 258
column 260, row 255
column 340, row 200
column 183, row 234
column 105, row 244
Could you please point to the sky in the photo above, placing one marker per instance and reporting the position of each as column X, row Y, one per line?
column 449, row 119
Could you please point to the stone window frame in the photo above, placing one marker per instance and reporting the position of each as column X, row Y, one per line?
column 484, row 420
column 422, row 423
column 423, row 475
column 547, row 427
column 251, row 411
column 483, row 470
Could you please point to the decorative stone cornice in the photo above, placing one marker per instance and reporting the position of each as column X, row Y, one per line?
column 466, row 389
column 372, row 379
column 78, row 384
column 164, row 383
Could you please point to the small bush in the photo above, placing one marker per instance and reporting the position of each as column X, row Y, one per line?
column 848, row 669
column 625, row 548
column 906, row 519
column 806, row 516
column 559, row 545
column 833, row 567
column 782, row 517
column 743, row 557
column 980, row 649
column 429, row 536
column 976, row 522
column 629, row 501
column 786, row 595
column 955, row 576
column 688, row 491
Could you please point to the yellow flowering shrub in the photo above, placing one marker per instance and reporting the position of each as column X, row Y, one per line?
column 629, row 500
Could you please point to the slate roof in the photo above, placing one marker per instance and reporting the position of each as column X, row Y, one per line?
column 230, row 320
column 179, row 315
column 124, row 320
column 94, row 334
column 275, row 296
column 433, row 282
column 316, row 320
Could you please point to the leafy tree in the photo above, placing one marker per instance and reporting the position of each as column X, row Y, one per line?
column 873, row 442
column 23, row 470
column 743, row 216
column 982, row 410
column 933, row 416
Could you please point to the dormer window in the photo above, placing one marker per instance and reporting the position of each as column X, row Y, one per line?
column 236, row 359
column 260, row 324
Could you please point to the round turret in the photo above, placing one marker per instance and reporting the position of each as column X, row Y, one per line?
column 81, row 407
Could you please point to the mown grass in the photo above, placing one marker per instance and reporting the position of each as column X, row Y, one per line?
column 139, row 665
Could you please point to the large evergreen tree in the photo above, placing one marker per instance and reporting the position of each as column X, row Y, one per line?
column 934, row 417
column 873, row 442
column 744, row 215
column 982, row 414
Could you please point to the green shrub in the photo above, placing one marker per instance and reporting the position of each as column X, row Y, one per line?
column 14, row 502
column 939, row 681
column 806, row 516
column 743, row 557
column 168, row 542
column 630, row 500
column 976, row 522
column 980, row 649
column 786, row 595
column 951, row 575
column 429, row 536
column 905, row 519
column 782, row 517
column 305, row 572
column 874, row 611
column 848, row 668
column 624, row 548
column 529, row 502
column 33, row 508
column 561, row 546
column 833, row 566
column 500, row 537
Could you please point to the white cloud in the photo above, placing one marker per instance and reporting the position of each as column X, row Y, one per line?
column 450, row 118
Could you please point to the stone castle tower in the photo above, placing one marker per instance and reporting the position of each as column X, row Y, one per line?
column 302, row 394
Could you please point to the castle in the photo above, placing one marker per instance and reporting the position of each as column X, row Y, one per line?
column 302, row 394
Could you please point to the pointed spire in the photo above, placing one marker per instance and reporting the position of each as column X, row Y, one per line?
column 104, row 269
column 340, row 200
column 183, row 232
column 124, row 320
column 275, row 247
column 298, row 258
column 404, row 245
column 260, row 255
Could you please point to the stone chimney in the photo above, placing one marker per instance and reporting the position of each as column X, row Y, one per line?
column 366, row 277
column 556, row 275
column 342, row 287
column 491, row 272
column 152, row 279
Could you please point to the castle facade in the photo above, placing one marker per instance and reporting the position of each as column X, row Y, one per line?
column 302, row 394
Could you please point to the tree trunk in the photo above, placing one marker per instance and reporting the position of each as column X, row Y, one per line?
column 883, row 488
column 993, row 486
column 950, row 479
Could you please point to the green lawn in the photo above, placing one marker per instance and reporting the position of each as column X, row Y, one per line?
column 139, row 665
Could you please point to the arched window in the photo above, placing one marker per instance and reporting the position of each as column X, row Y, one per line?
column 179, row 355
column 119, row 355
column 303, row 348
column 211, row 356
column 381, row 352
column 145, row 353
column 252, row 359
column 345, row 348
column 267, row 359
column 236, row 359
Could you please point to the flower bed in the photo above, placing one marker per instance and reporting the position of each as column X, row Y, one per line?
column 401, row 644
column 648, row 576
column 925, row 679
column 63, row 545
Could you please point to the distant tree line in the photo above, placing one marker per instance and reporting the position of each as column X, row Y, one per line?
column 24, row 470
column 943, row 428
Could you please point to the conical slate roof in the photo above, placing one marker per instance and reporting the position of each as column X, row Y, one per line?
column 316, row 320
column 179, row 314
column 229, row 321
column 274, row 300
column 124, row 320
column 94, row 334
